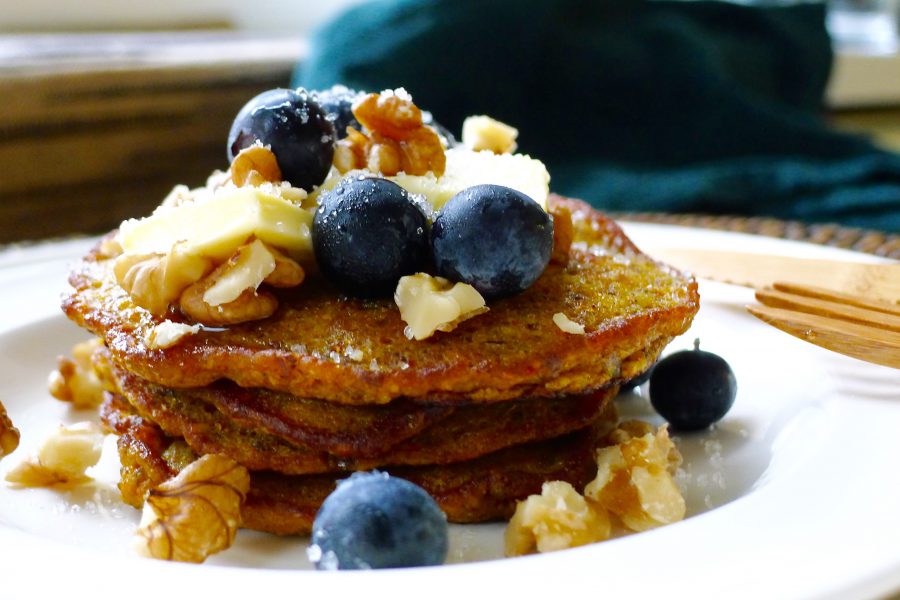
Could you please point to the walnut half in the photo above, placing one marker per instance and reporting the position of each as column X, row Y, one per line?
column 196, row 513
column 229, row 294
column 395, row 139
column 9, row 435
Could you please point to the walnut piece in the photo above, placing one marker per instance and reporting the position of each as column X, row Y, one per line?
column 254, row 166
column 428, row 304
column 167, row 334
column 63, row 458
column 9, row 435
column 567, row 325
column 634, row 483
column 154, row 281
column 480, row 132
column 229, row 294
column 75, row 380
column 196, row 513
column 558, row 518
column 634, row 478
column 395, row 139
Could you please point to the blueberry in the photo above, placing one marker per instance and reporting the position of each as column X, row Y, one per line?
column 692, row 389
column 367, row 233
column 295, row 127
column 494, row 238
column 375, row 521
column 337, row 102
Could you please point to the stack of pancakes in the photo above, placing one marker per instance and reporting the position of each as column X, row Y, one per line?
column 480, row 417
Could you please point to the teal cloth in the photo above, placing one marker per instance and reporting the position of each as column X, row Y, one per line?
column 635, row 105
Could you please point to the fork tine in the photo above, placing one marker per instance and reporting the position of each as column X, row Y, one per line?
column 817, row 292
column 827, row 307
column 859, row 341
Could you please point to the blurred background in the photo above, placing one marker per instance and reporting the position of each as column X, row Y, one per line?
column 106, row 105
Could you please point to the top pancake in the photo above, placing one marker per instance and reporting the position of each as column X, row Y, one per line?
column 322, row 345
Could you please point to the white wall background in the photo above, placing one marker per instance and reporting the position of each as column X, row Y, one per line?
column 276, row 16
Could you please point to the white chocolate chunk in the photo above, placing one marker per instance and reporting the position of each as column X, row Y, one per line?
column 465, row 168
column 215, row 227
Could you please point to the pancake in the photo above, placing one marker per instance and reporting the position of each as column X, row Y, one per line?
column 482, row 489
column 464, row 433
column 322, row 345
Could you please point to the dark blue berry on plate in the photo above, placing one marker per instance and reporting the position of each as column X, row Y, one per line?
column 494, row 238
column 692, row 389
column 368, row 233
column 375, row 521
column 293, row 124
column 337, row 102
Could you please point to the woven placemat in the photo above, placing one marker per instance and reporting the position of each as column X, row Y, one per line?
column 828, row 234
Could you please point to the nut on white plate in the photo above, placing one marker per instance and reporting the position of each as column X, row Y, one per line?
column 63, row 459
column 558, row 518
column 428, row 304
column 196, row 513
column 9, row 435
column 74, row 379
column 635, row 478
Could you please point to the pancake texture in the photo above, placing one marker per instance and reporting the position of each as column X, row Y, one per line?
column 480, row 417
column 322, row 345
column 482, row 489
column 466, row 432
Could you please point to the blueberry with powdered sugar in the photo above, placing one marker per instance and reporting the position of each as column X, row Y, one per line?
column 367, row 233
column 495, row 238
column 376, row 521
column 295, row 127
column 337, row 102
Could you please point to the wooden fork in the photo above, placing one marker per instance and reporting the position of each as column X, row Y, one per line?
column 865, row 329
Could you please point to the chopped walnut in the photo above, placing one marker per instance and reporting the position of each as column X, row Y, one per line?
column 558, row 518
column 229, row 294
column 167, row 334
column 154, row 281
column 568, row 325
column 634, row 483
column 634, row 478
column 63, row 458
column 254, row 166
column 75, row 380
column 484, row 133
column 251, row 305
column 391, row 113
column 196, row 513
column 428, row 304
column 287, row 272
column 395, row 140
column 9, row 435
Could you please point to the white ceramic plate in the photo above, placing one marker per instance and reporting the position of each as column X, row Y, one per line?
column 795, row 494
